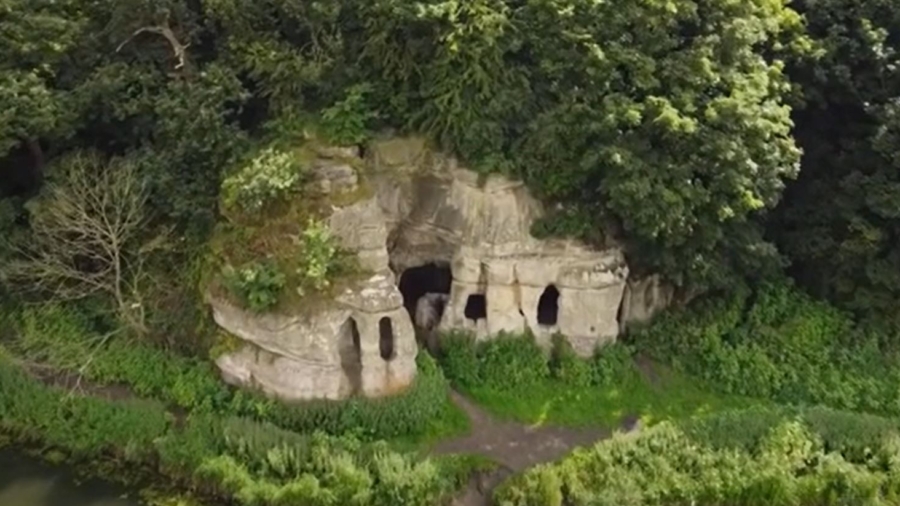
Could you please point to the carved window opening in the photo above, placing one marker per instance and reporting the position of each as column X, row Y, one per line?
column 386, row 338
column 476, row 307
column 548, row 307
column 351, row 354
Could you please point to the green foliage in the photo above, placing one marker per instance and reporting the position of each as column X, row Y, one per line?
column 787, row 465
column 565, row 389
column 780, row 345
column 319, row 257
column 257, row 284
column 347, row 121
column 84, row 427
column 62, row 338
column 269, row 177
column 228, row 459
column 505, row 362
column 847, row 125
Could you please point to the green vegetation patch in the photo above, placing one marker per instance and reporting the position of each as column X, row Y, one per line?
column 61, row 337
column 220, row 457
column 774, row 460
column 513, row 378
column 779, row 344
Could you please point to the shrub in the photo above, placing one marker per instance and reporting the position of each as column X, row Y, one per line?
column 567, row 366
column 787, row 465
column 509, row 362
column 60, row 336
column 504, row 362
column 347, row 121
column 257, row 284
column 781, row 345
column 231, row 458
column 85, row 427
column 268, row 177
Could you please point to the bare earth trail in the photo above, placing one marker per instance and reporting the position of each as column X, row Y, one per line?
column 513, row 446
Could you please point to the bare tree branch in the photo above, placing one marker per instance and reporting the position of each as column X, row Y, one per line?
column 84, row 237
column 179, row 49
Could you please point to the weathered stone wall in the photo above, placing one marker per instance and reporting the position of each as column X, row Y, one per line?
column 310, row 356
column 481, row 226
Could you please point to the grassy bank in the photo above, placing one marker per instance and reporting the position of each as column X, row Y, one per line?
column 221, row 458
column 513, row 378
column 65, row 340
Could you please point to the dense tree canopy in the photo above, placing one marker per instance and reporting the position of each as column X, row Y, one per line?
column 841, row 220
column 665, row 123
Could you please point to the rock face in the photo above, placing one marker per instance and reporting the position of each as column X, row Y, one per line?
column 503, row 278
column 422, row 208
column 363, row 343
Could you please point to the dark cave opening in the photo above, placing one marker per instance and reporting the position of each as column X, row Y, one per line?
column 548, row 307
column 386, row 338
column 476, row 307
column 418, row 281
column 351, row 354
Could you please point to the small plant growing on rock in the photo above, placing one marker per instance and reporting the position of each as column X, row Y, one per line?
column 269, row 176
column 319, row 258
column 257, row 284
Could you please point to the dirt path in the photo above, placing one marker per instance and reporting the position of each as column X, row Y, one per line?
column 514, row 446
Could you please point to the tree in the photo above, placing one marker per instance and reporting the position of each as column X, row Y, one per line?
column 840, row 222
column 86, row 236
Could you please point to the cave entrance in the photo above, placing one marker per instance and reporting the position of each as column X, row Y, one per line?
column 417, row 281
column 386, row 338
column 351, row 354
column 548, row 307
column 432, row 281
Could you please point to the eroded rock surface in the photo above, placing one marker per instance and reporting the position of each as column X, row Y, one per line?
column 362, row 343
column 419, row 208
column 502, row 275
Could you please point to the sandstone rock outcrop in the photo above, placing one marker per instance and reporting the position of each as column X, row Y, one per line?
column 361, row 343
column 504, row 279
column 418, row 208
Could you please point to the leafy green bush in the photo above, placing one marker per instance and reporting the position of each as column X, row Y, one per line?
column 270, row 176
column 566, row 366
column 347, row 121
column 504, row 362
column 83, row 426
column 258, row 284
column 787, row 465
column 779, row 344
column 508, row 362
column 61, row 337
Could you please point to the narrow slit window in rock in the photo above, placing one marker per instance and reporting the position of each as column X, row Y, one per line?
column 351, row 355
column 386, row 338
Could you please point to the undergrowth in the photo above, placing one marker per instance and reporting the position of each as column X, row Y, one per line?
column 220, row 457
column 513, row 378
column 758, row 457
column 61, row 337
